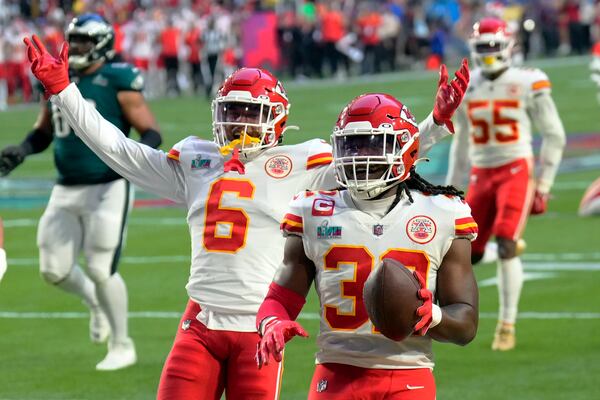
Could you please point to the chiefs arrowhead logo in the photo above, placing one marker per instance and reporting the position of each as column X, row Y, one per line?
column 421, row 229
column 278, row 166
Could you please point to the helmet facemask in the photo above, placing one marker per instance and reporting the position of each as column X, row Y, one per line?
column 245, row 122
column 370, row 161
column 491, row 51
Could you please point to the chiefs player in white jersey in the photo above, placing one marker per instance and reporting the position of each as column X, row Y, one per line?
column 494, row 125
column 236, row 189
column 336, row 238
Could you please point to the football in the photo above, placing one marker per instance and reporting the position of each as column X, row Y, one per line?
column 391, row 297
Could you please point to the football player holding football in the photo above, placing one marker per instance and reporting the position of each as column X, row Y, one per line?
column 88, row 208
column 235, row 189
column 336, row 238
column 494, row 134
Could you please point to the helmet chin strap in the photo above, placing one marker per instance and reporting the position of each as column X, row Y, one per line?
column 418, row 160
column 291, row 128
column 491, row 75
column 373, row 193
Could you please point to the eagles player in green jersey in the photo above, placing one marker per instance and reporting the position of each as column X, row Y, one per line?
column 88, row 208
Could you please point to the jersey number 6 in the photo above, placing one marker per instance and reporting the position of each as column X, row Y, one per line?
column 225, row 228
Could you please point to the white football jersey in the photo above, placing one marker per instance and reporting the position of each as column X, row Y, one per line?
column 497, row 115
column 345, row 245
column 234, row 222
column 495, row 121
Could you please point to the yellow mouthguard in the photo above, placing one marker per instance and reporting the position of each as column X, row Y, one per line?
column 489, row 60
column 228, row 148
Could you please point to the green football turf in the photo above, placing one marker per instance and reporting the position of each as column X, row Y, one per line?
column 557, row 357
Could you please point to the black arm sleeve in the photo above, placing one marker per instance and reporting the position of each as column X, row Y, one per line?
column 151, row 138
column 36, row 141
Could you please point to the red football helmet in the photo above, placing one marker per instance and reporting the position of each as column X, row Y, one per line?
column 491, row 44
column 250, row 111
column 375, row 144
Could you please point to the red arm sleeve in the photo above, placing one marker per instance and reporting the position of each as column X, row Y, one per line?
column 281, row 303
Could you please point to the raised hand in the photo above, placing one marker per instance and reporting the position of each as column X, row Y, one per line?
column 276, row 334
column 52, row 72
column 426, row 310
column 450, row 95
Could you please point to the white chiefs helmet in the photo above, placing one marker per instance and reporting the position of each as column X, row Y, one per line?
column 491, row 44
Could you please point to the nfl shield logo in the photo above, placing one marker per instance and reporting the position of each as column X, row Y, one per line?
column 322, row 385
column 378, row 230
column 186, row 324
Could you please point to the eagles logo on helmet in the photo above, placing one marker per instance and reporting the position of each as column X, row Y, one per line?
column 91, row 39
column 375, row 145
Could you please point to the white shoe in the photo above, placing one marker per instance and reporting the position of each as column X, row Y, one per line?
column 99, row 326
column 490, row 254
column 120, row 355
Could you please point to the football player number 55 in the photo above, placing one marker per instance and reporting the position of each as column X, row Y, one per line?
column 225, row 228
column 363, row 262
column 503, row 129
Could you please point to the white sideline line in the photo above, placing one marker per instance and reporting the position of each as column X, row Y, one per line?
column 175, row 221
column 134, row 260
column 571, row 185
column 580, row 266
column 533, row 261
column 561, row 256
column 304, row 316
column 527, row 276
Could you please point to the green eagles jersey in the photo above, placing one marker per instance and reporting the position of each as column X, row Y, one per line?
column 75, row 162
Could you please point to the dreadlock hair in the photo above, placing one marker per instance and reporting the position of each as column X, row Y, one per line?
column 417, row 182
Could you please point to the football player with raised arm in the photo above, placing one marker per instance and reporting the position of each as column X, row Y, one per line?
column 494, row 134
column 88, row 208
column 336, row 238
column 235, row 189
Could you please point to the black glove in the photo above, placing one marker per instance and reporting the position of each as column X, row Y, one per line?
column 10, row 158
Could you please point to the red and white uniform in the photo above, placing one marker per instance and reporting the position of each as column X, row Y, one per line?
column 234, row 226
column 494, row 134
column 345, row 245
column 230, row 216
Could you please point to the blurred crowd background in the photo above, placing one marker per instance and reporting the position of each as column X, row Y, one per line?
column 188, row 46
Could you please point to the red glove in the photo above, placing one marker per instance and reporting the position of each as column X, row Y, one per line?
column 276, row 334
column 449, row 96
column 540, row 203
column 425, row 311
column 53, row 73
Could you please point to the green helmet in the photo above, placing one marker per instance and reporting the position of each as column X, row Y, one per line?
column 91, row 39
